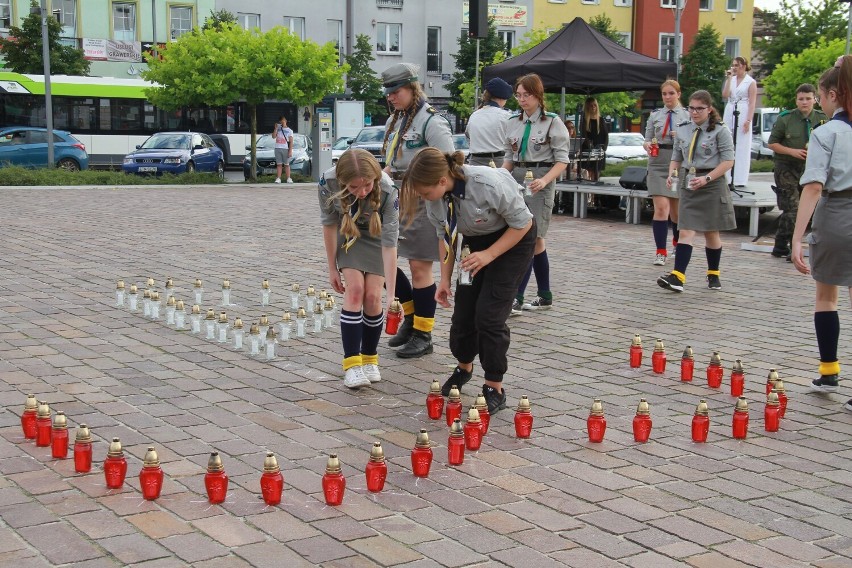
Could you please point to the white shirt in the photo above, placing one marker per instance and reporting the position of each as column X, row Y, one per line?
column 486, row 129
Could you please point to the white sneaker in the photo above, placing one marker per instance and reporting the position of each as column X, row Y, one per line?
column 289, row 180
column 371, row 371
column 660, row 260
column 355, row 378
column 277, row 180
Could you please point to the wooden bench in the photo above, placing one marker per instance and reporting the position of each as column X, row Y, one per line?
column 635, row 198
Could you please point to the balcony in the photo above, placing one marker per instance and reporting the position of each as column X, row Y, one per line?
column 389, row 4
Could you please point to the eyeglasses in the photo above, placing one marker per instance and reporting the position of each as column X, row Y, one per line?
column 697, row 109
column 522, row 96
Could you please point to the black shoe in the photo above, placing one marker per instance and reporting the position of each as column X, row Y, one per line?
column 670, row 282
column 713, row 282
column 517, row 308
column 789, row 258
column 848, row 405
column 825, row 383
column 495, row 400
column 420, row 344
column 403, row 334
column 538, row 304
column 780, row 252
column 457, row 379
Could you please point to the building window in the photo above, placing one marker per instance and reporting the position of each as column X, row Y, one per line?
column 557, row 1
column 623, row 2
column 735, row 6
column 732, row 47
column 595, row 2
column 388, row 38
column 248, row 21
column 624, row 38
column 508, row 39
column 670, row 3
column 389, row 4
column 124, row 21
column 5, row 14
column 296, row 26
column 433, row 51
column 335, row 36
column 67, row 16
column 667, row 47
column 705, row 5
column 180, row 21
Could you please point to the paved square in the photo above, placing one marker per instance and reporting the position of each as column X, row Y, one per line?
column 776, row 500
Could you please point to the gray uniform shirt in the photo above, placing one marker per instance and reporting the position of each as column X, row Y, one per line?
column 657, row 122
column 488, row 202
column 548, row 141
column 711, row 148
column 828, row 159
column 437, row 134
column 486, row 130
column 332, row 213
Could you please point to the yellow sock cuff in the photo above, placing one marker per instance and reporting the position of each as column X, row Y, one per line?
column 408, row 307
column 832, row 368
column 423, row 324
column 712, row 273
column 349, row 362
column 369, row 359
column 680, row 276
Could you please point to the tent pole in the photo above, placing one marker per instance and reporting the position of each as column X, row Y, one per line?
column 562, row 104
column 677, row 45
column 476, row 80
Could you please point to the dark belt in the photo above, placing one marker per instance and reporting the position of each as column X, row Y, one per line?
column 665, row 146
column 702, row 172
column 534, row 164
column 397, row 176
column 845, row 194
column 486, row 154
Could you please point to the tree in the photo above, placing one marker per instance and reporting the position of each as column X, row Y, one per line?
column 362, row 80
column 805, row 67
column 491, row 50
column 704, row 65
column 218, row 19
column 603, row 24
column 23, row 49
column 797, row 26
column 219, row 66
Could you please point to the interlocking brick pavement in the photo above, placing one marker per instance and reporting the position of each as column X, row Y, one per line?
column 776, row 500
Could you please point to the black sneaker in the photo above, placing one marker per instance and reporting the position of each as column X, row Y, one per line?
column 458, row 378
column 780, row 253
column 848, row 405
column 713, row 282
column 517, row 308
column 419, row 345
column 538, row 304
column 495, row 400
column 825, row 383
column 670, row 282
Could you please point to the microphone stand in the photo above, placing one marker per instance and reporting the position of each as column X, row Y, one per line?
column 736, row 191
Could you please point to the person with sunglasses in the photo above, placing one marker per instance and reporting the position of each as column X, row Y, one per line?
column 705, row 147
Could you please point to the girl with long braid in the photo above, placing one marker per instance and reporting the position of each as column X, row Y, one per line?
column 359, row 210
column 414, row 125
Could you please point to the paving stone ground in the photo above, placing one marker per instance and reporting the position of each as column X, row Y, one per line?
column 777, row 500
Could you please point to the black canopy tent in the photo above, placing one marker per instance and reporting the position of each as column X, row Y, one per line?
column 582, row 61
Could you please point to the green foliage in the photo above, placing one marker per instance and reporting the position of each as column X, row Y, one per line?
column 797, row 68
column 362, row 80
column 491, row 50
column 218, row 66
column 218, row 20
column 798, row 25
column 704, row 65
column 14, row 175
column 22, row 49
column 603, row 24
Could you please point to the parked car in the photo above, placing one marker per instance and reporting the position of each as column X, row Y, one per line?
column 761, row 127
column 300, row 162
column 462, row 144
column 175, row 153
column 625, row 146
column 27, row 147
column 340, row 146
column 371, row 138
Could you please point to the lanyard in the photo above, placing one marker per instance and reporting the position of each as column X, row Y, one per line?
column 354, row 212
column 692, row 146
column 450, row 228
column 668, row 124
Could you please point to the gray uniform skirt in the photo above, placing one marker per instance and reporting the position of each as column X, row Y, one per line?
column 658, row 172
column 540, row 204
column 419, row 240
column 830, row 241
column 707, row 209
column 364, row 255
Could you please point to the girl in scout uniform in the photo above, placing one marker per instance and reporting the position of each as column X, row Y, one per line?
column 661, row 129
column 484, row 206
column 536, row 141
column 486, row 127
column 706, row 148
column 414, row 125
column 827, row 195
column 359, row 210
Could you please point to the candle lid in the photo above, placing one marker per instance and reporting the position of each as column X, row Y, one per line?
column 395, row 306
column 773, row 376
column 211, row 314
column 716, row 359
column 151, row 282
column 528, row 175
column 43, row 409
column 738, row 366
column 702, row 409
column 644, row 408
column 133, row 289
column 772, row 398
column 171, row 302
column 238, row 323
column 254, row 329
column 214, row 464
column 333, row 464
column 286, row 317
column 687, row 353
column 115, row 449
column 226, row 284
column 155, row 296
column 456, row 429
column 151, row 458
column 264, row 319
column 473, row 415
column 658, row 346
column 318, row 308
column 146, row 294
column 742, row 404
column 435, row 388
column 524, row 404
column 179, row 305
column 301, row 314
column 323, row 294
column 455, row 394
column 223, row 317
column 377, row 454
column 597, row 408
column 265, row 284
column 480, row 403
column 294, row 288
column 198, row 283
column 311, row 291
column 270, row 334
column 329, row 303
column 83, row 434
column 270, row 464
column 59, row 420
column 170, row 283
column 779, row 387
column 119, row 285
column 31, row 403
column 637, row 341
column 423, row 439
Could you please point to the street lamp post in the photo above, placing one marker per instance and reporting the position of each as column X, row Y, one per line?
column 48, row 102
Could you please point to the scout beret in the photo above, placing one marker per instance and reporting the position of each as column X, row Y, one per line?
column 398, row 76
column 499, row 88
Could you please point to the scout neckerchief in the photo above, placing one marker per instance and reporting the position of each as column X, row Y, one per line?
column 525, row 140
column 842, row 116
column 450, row 225
column 692, row 150
column 397, row 136
column 354, row 212
column 668, row 126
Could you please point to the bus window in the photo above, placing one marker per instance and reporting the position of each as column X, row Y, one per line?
column 126, row 114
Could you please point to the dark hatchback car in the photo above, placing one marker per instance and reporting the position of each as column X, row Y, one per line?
column 300, row 162
column 27, row 147
column 371, row 138
column 175, row 153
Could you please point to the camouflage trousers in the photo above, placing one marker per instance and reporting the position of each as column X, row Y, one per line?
column 787, row 177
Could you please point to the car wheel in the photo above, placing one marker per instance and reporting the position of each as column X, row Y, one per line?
column 190, row 167
column 69, row 164
column 220, row 170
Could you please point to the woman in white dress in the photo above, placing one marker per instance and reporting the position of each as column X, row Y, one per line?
column 740, row 91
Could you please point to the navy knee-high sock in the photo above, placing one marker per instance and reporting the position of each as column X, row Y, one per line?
column 403, row 287
column 827, row 327
column 424, row 307
column 661, row 231
column 541, row 266
column 524, row 281
column 371, row 332
column 350, row 335
column 714, row 257
column 675, row 234
column 682, row 258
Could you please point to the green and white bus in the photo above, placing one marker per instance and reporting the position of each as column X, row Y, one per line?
column 111, row 116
